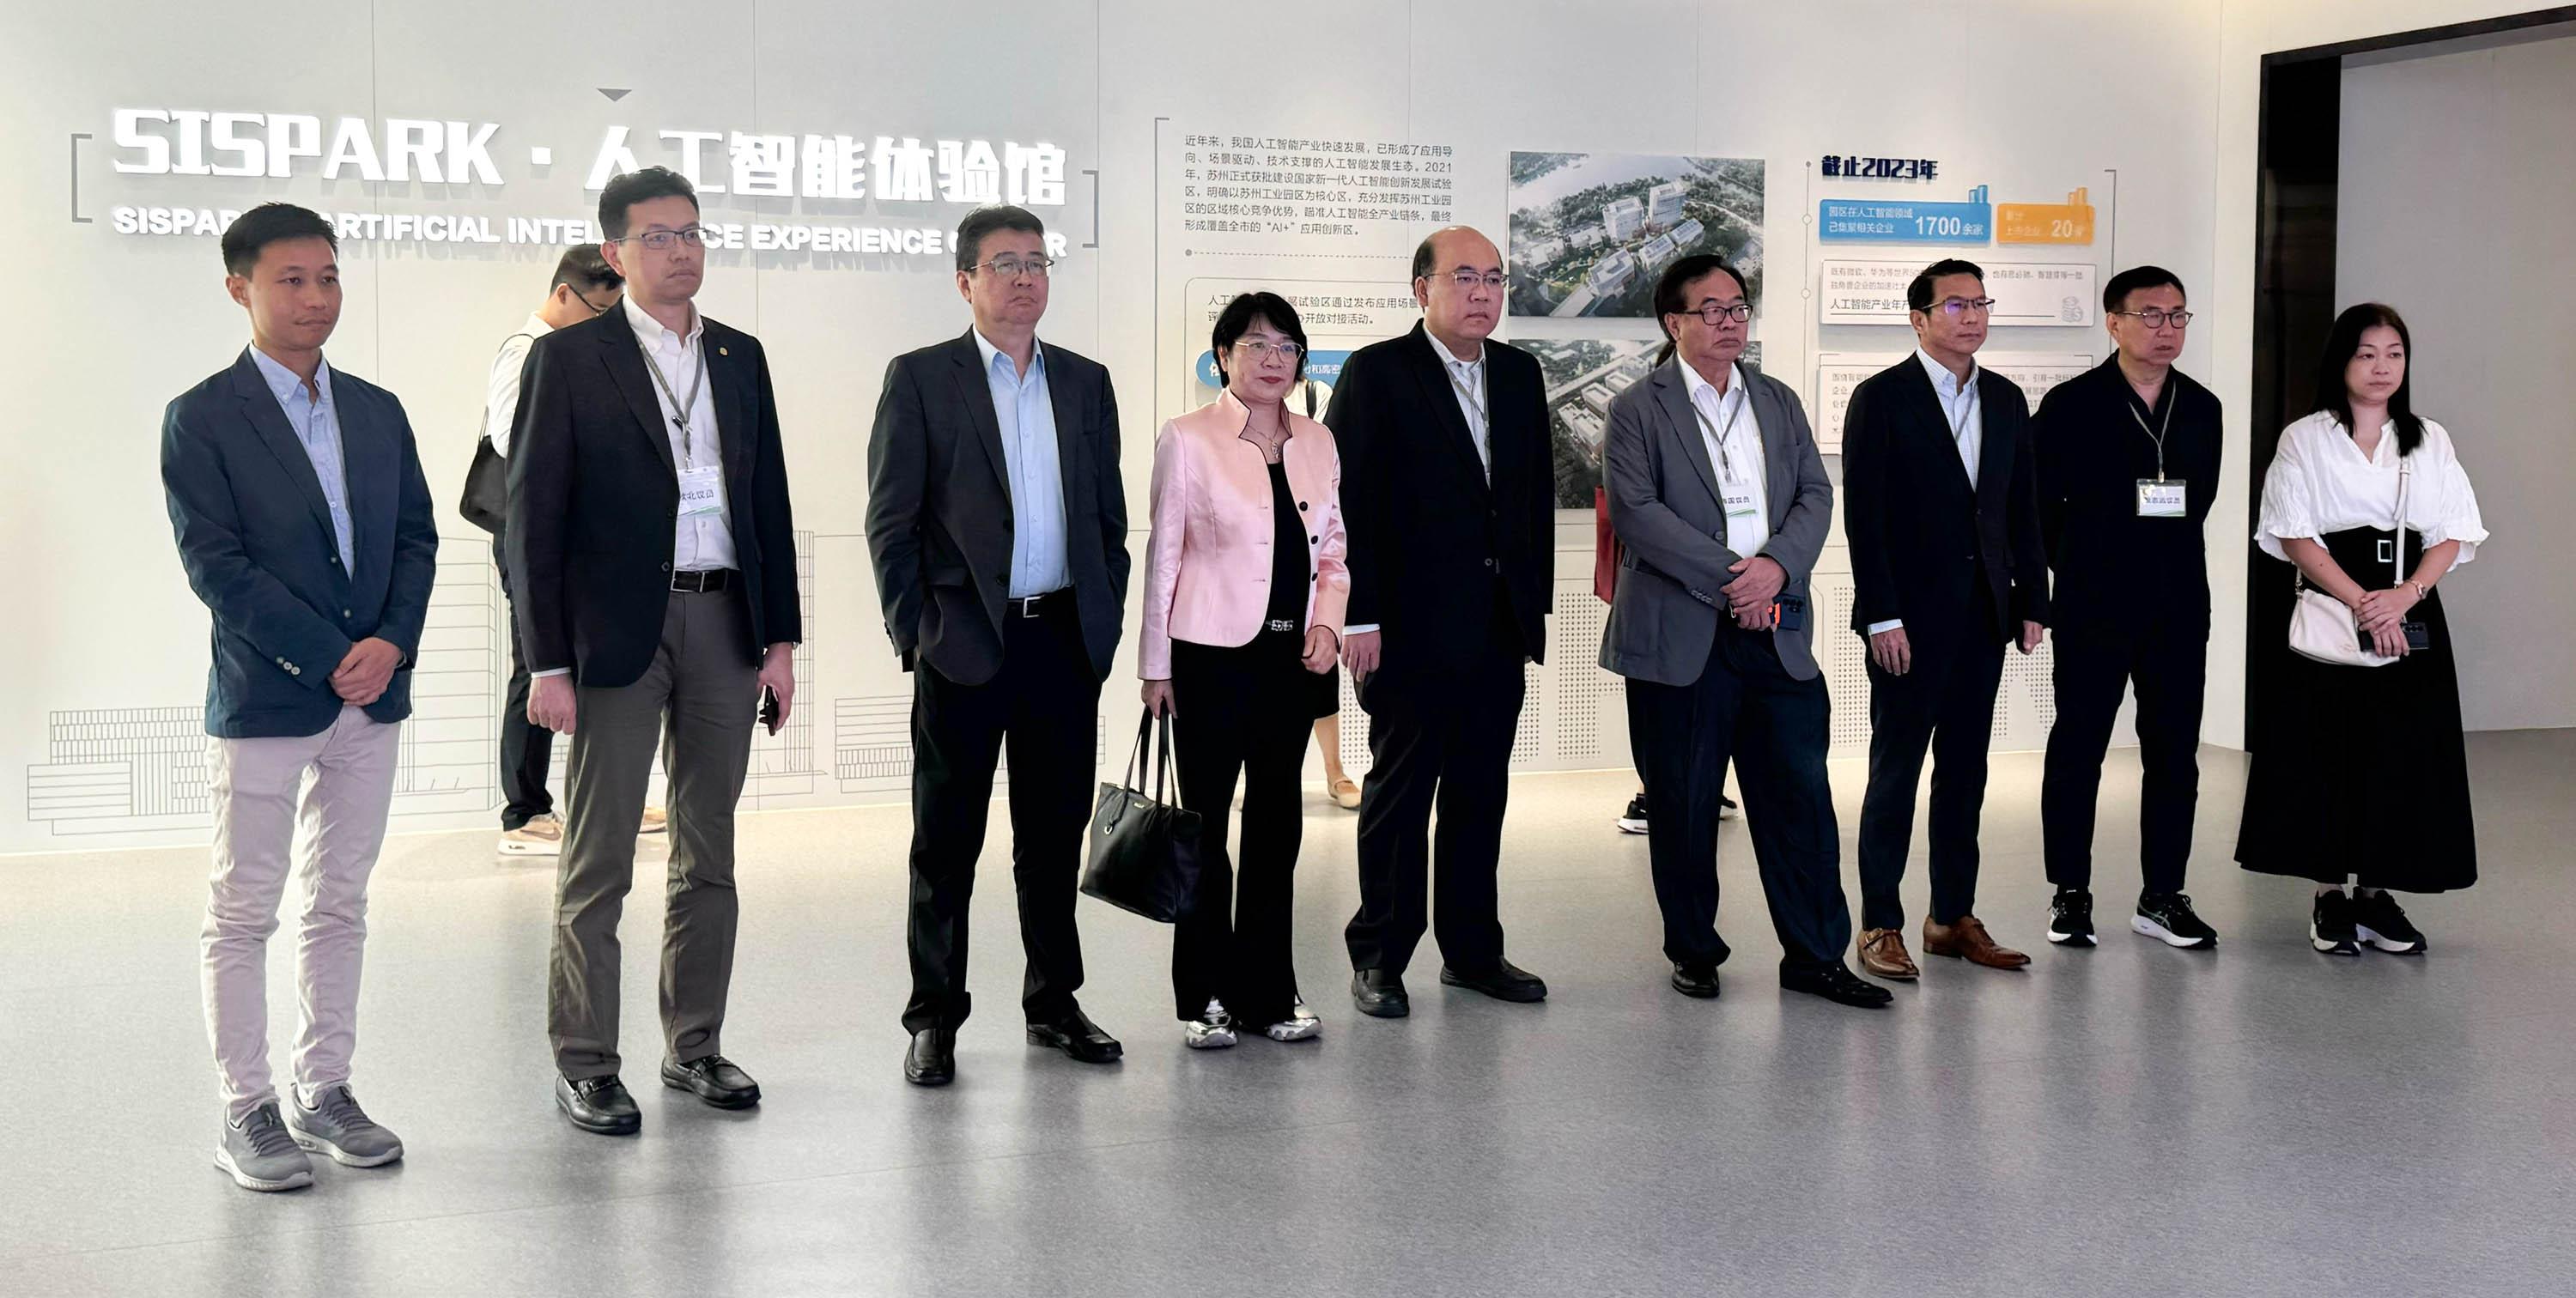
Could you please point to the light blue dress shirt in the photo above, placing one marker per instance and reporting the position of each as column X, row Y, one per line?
column 317, row 426
column 1025, row 409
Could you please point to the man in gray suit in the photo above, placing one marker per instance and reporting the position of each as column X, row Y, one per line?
column 1721, row 502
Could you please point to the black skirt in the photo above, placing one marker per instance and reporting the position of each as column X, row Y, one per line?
column 2363, row 771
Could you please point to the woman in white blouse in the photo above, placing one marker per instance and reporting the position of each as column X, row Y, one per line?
column 2360, row 776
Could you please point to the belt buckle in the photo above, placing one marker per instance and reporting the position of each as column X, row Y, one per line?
column 1282, row 624
column 1029, row 607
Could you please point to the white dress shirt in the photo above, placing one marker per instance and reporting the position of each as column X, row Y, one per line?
column 501, row 390
column 1733, row 436
column 706, row 541
column 1467, row 383
column 1966, row 413
column 2320, row 483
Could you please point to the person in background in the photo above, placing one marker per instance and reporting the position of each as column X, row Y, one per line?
column 1941, row 506
column 1244, row 592
column 585, row 287
column 2359, row 780
column 1344, row 790
column 304, row 524
column 1721, row 506
column 2128, row 458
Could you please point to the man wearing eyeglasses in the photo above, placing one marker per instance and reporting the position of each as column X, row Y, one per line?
column 655, row 567
column 1449, row 489
column 2128, row 470
column 1940, row 506
column 584, row 287
column 998, row 527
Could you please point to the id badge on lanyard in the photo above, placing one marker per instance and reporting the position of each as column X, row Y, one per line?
column 1735, row 493
column 702, row 491
column 2159, row 496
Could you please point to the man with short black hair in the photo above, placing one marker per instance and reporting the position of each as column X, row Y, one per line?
column 655, row 560
column 998, row 527
column 1941, row 510
column 304, row 524
column 2128, row 470
column 585, row 286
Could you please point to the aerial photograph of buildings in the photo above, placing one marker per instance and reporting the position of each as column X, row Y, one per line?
column 1582, row 375
column 1591, row 231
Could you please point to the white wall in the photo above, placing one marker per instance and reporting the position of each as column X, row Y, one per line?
column 2009, row 93
column 2483, row 276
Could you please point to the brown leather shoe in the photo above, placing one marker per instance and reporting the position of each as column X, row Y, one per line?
column 1968, row 940
column 1882, row 952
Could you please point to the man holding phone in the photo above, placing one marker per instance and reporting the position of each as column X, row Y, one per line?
column 1718, row 493
column 655, row 562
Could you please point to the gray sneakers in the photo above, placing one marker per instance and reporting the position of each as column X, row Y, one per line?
column 260, row 1155
column 336, row 1126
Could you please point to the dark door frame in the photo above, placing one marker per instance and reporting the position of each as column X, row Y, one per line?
column 2295, row 192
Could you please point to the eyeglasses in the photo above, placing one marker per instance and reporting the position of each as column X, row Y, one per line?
column 1959, row 306
column 2157, row 317
column 1718, row 313
column 1014, row 267
column 662, row 240
column 1467, row 280
column 595, row 308
column 1259, row 350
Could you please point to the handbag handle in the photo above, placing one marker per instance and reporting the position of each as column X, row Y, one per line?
column 2397, row 548
column 1167, row 779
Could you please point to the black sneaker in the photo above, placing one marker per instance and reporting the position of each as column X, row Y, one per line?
column 2330, row 927
column 1633, row 820
column 2070, row 918
column 1726, row 807
column 2378, row 921
column 2167, row 917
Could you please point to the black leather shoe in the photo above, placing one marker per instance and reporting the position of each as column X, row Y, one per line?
column 932, row 1058
column 1076, row 1035
column 1504, row 982
column 1696, row 980
column 599, row 1105
column 1379, row 993
column 1837, row 984
column 714, row 1079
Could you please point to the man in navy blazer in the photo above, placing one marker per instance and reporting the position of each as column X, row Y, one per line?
column 304, row 524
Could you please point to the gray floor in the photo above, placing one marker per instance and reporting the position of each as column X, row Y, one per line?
column 2130, row 1120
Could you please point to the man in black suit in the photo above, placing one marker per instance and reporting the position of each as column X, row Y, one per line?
column 1448, row 483
column 998, row 527
column 2128, row 470
column 1941, row 510
column 655, row 567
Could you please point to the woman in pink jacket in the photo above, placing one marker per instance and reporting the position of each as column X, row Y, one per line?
column 1244, row 592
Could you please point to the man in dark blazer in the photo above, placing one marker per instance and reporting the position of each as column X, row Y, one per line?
column 1449, row 484
column 654, row 558
column 998, row 526
column 2128, row 471
column 1941, row 511
column 1721, row 505
column 304, row 524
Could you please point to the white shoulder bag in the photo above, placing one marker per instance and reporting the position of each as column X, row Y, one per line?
column 2322, row 627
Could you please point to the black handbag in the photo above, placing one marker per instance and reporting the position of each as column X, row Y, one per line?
column 1144, row 853
column 487, row 489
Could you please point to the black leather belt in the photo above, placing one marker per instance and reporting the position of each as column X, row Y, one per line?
column 1037, row 605
column 701, row 581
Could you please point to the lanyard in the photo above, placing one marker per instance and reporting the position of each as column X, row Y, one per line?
column 1725, row 437
column 1958, row 413
column 697, row 383
column 1475, row 404
column 2157, row 434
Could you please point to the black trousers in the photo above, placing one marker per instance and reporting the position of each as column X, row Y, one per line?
column 527, row 749
column 1945, row 705
column 1045, row 706
column 1744, row 707
column 1440, row 735
column 1242, row 711
column 2092, row 669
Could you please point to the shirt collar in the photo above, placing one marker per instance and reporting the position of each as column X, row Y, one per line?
column 1037, row 354
column 653, row 331
column 283, row 383
column 1696, row 384
column 1450, row 356
column 1943, row 381
column 537, row 326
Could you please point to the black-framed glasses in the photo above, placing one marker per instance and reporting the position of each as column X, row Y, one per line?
column 1258, row 350
column 664, row 240
column 2158, row 317
column 1714, row 314
column 595, row 308
column 1959, row 306
column 1467, row 279
column 1012, row 266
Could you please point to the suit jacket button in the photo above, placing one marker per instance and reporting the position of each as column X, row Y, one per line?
column 1314, row 540
column 1301, row 504
column 666, row 567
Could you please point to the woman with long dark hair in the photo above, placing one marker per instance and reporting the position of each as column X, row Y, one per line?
column 2360, row 780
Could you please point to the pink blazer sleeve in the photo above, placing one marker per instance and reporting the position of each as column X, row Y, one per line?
column 1332, row 566
column 1171, row 518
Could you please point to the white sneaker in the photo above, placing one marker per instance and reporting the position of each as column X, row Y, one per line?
column 541, row 836
column 1300, row 1025
column 1213, row 1029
